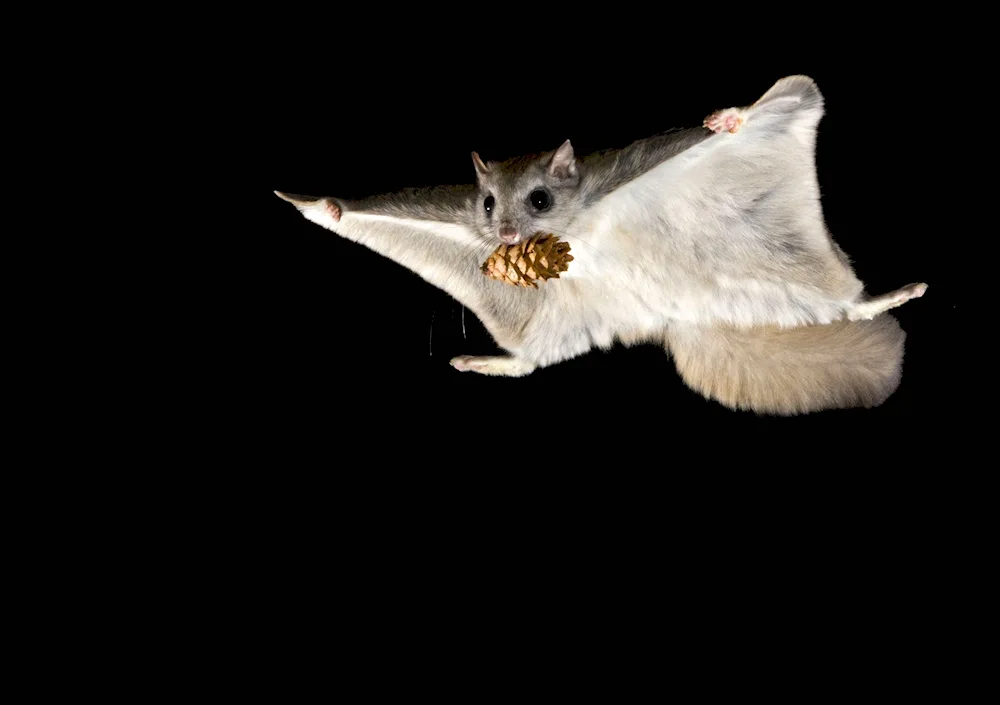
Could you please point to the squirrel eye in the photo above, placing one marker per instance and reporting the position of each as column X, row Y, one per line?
column 488, row 205
column 539, row 199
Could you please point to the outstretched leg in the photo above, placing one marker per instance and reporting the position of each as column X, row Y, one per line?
column 867, row 310
column 493, row 365
column 426, row 231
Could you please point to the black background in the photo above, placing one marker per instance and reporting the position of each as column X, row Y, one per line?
column 324, row 366
column 332, row 330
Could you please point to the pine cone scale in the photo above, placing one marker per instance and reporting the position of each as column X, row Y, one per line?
column 529, row 262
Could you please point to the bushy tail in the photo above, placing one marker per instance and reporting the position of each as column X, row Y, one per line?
column 795, row 370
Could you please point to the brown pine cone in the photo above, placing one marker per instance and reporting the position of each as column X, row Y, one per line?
column 536, row 259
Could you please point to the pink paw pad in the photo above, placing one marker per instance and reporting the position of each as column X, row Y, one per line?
column 913, row 291
column 729, row 120
column 464, row 363
column 334, row 210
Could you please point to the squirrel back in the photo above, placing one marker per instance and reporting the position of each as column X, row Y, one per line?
column 793, row 370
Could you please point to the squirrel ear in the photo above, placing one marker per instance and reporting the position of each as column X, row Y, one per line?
column 563, row 162
column 481, row 169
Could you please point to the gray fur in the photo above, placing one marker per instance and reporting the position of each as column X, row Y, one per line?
column 445, row 204
column 605, row 171
column 511, row 183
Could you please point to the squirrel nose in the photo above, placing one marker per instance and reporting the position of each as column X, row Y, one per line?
column 509, row 234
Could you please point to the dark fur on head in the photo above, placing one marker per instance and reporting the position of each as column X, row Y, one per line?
column 511, row 185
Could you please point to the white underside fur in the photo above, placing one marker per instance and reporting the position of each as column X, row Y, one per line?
column 635, row 270
column 674, row 247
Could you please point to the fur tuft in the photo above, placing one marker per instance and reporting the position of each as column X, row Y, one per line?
column 799, row 90
column 794, row 370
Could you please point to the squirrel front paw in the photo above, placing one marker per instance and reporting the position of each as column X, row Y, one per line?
column 312, row 204
column 730, row 120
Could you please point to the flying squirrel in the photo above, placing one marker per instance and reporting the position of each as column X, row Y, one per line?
column 709, row 240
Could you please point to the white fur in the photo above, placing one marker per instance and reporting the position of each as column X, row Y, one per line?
column 455, row 233
column 633, row 271
column 441, row 253
column 356, row 222
column 673, row 246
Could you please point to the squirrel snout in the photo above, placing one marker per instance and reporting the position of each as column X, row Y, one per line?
column 509, row 234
